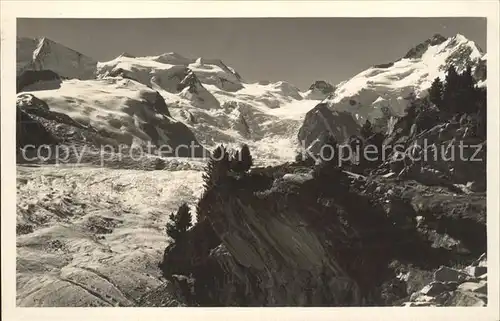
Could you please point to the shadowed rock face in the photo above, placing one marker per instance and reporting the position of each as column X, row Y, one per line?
column 322, row 86
column 31, row 132
column 321, row 121
column 261, row 232
column 417, row 51
column 320, row 90
column 286, row 236
column 29, row 77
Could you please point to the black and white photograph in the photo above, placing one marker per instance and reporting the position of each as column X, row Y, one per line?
column 249, row 162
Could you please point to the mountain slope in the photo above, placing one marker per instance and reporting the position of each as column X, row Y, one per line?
column 116, row 110
column 378, row 93
column 365, row 94
column 218, row 105
column 45, row 54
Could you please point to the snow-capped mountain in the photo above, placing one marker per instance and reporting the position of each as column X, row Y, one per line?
column 386, row 85
column 215, row 102
column 164, row 71
column 45, row 54
column 211, row 98
column 380, row 91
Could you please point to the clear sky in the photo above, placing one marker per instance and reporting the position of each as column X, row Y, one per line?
column 298, row 50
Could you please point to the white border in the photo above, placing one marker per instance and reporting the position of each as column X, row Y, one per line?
column 10, row 10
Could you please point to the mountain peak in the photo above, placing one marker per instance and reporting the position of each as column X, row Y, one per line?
column 418, row 50
column 45, row 54
column 173, row 58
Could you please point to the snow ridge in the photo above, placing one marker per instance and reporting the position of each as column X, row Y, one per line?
column 365, row 94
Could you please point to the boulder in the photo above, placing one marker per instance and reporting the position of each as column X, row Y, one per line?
column 479, row 287
column 481, row 261
column 476, row 271
column 460, row 298
column 434, row 288
column 446, row 274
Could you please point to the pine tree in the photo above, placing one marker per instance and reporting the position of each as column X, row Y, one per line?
column 246, row 158
column 451, row 91
column 467, row 92
column 217, row 167
column 436, row 92
column 366, row 129
column 179, row 223
column 235, row 162
column 468, row 81
column 480, row 103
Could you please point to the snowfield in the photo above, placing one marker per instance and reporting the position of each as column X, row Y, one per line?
column 162, row 70
column 116, row 105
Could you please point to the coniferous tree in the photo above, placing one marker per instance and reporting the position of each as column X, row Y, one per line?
column 480, row 103
column 246, row 158
column 235, row 161
column 179, row 223
column 451, row 94
column 436, row 92
column 217, row 167
column 468, row 81
column 467, row 92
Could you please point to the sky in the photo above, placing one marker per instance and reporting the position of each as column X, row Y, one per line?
column 297, row 50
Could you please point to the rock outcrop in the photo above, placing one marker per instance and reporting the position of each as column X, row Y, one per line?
column 319, row 90
column 439, row 152
column 50, row 79
column 453, row 287
column 321, row 122
column 297, row 236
